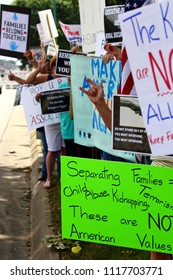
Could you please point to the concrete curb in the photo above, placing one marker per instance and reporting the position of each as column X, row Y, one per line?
column 40, row 210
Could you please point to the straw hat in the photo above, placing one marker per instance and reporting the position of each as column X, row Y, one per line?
column 53, row 61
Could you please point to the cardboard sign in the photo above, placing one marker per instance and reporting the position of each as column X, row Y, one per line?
column 112, row 25
column 148, row 37
column 14, row 30
column 51, row 49
column 100, row 42
column 48, row 25
column 92, row 22
column 32, row 108
column 63, row 62
column 72, row 32
column 55, row 101
column 41, row 34
column 37, row 53
column 128, row 129
column 119, row 204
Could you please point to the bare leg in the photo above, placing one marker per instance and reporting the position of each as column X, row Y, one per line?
column 50, row 164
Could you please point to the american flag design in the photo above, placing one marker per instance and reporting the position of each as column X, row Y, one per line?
column 127, row 82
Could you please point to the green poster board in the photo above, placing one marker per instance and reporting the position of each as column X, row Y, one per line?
column 115, row 203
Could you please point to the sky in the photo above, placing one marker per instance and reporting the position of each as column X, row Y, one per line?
column 6, row 2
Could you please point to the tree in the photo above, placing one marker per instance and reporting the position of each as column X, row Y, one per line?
column 114, row 2
column 67, row 11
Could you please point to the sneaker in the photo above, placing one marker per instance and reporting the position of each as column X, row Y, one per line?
column 47, row 185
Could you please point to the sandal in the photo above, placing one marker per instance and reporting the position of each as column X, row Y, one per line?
column 47, row 185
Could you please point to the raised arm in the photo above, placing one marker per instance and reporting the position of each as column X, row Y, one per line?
column 112, row 52
column 29, row 55
column 34, row 78
column 15, row 78
column 96, row 95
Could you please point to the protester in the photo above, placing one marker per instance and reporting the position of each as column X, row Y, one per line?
column 96, row 95
column 52, row 131
column 67, row 131
column 67, row 128
column 162, row 162
column 29, row 54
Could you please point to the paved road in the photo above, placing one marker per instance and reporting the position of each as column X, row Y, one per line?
column 14, row 180
column 6, row 105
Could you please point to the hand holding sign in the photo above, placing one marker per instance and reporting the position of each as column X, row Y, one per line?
column 29, row 54
column 113, row 50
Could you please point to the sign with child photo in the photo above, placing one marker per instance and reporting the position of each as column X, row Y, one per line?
column 119, row 204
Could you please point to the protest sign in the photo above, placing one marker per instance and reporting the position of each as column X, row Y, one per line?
column 63, row 62
column 41, row 34
column 55, row 101
column 119, row 204
column 48, row 25
column 89, row 128
column 147, row 34
column 32, row 108
column 112, row 25
column 100, row 42
column 92, row 22
column 51, row 49
column 128, row 130
column 14, row 31
column 38, row 53
column 72, row 32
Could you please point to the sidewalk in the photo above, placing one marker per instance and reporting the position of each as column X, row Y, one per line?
column 21, row 153
column 40, row 211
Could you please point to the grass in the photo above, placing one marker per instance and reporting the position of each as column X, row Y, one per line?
column 89, row 251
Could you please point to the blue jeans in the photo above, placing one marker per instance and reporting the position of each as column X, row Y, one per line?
column 44, row 144
column 106, row 156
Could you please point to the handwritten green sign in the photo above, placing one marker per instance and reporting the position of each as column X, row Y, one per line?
column 115, row 203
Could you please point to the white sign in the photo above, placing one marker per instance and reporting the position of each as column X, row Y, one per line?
column 48, row 25
column 72, row 32
column 32, row 108
column 100, row 42
column 92, row 22
column 14, row 31
column 51, row 51
column 148, row 37
column 41, row 34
